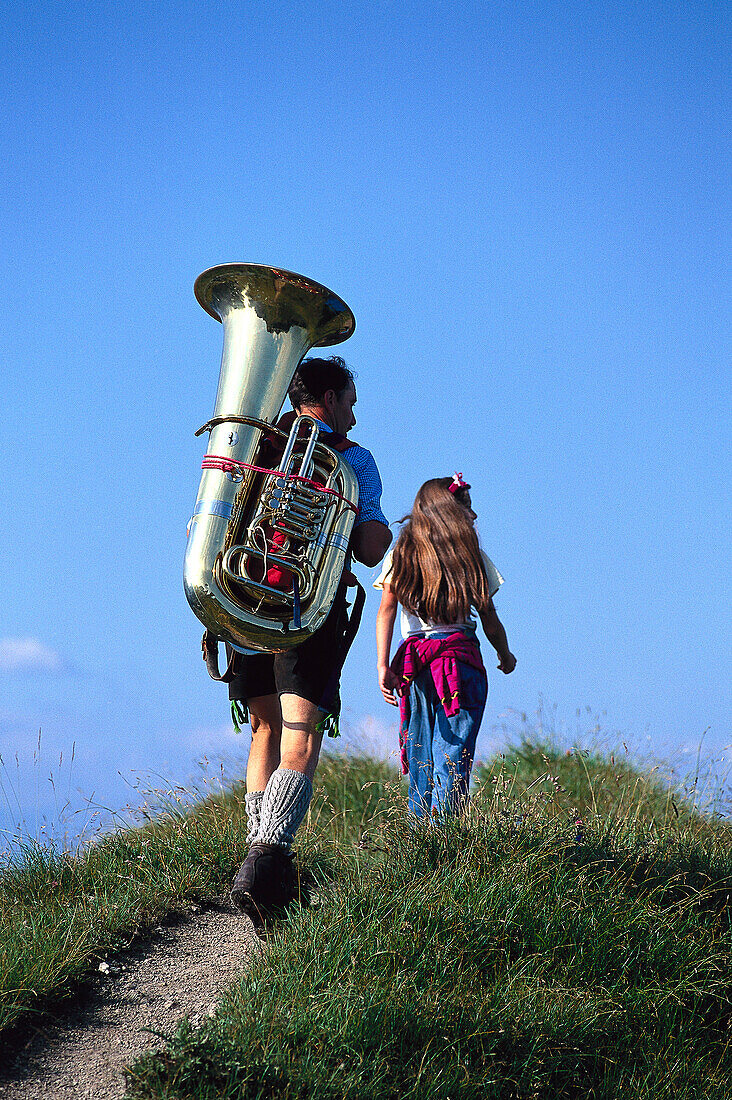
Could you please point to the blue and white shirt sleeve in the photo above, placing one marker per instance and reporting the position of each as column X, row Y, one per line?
column 369, row 485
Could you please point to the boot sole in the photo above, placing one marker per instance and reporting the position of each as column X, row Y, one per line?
column 246, row 904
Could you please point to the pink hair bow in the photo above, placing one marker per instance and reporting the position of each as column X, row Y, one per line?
column 458, row 483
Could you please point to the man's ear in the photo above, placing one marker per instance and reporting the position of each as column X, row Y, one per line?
column 329, row 399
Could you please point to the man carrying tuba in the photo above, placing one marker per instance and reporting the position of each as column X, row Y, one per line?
column 293, row 697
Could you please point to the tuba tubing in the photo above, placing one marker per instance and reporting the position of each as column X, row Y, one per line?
column 271, row 318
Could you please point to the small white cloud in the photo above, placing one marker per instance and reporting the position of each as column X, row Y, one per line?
column 27, row 655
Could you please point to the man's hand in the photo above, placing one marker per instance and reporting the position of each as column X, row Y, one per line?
column 389, row 684
column 507, row 664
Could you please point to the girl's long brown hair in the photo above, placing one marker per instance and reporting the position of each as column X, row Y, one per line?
column 437, row 571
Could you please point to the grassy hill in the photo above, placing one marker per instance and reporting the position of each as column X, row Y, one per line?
column 569, row 938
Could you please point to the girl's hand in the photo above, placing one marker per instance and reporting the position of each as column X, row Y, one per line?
column 507, row 664
column 389, row 684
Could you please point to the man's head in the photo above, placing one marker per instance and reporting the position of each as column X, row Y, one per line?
column 325, row 388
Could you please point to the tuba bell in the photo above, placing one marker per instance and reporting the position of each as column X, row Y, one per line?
column 268, row 539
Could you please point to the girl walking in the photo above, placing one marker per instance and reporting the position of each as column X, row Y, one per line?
column 436, row 574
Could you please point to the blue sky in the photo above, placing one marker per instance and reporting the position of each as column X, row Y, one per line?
column 527, row 208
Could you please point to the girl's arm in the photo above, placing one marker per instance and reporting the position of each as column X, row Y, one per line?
column 385, row 619
column 496, row 635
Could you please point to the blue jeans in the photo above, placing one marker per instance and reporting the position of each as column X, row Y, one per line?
column 440, row 750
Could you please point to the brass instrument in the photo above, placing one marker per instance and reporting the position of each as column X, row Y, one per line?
column 266, row 547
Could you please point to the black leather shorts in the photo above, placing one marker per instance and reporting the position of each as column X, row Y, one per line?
column 311, row 670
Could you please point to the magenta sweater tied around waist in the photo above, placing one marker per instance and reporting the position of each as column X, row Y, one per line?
column 443, row 656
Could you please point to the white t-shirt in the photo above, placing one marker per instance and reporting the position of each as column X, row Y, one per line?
column 413, row 624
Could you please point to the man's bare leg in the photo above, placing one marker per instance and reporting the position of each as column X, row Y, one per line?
column 267, row 880
column 300, row 745
column 264, row 755
column 288, row 792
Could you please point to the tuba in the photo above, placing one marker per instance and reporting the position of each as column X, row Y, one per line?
column 268, row 539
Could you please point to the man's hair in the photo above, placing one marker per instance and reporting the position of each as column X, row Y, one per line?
column 437, row 570
column 314, row 377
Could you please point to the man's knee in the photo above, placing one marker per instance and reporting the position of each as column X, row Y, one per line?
column 265, row 718
column 264, row 730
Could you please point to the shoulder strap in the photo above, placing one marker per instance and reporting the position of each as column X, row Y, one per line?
column 339, row 442
column 354, row 619
column 210, row 649
column 334, row 439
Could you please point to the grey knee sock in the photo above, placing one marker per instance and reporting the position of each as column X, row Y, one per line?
column 253, row 804
column 284, row 806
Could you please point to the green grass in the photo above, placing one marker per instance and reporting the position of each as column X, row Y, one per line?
column 579, row 782
column 61, row 913
column 569, row 938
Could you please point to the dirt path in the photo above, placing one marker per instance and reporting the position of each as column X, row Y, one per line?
column 180, row 972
